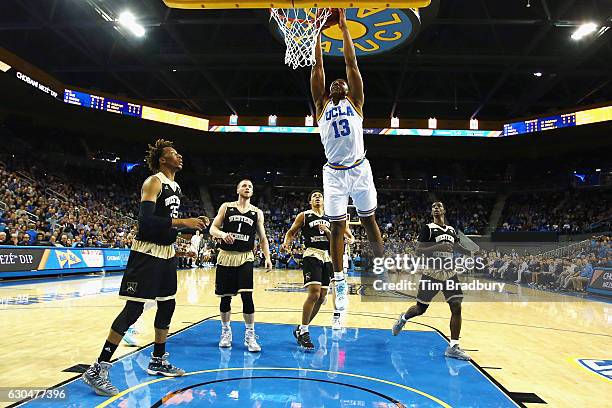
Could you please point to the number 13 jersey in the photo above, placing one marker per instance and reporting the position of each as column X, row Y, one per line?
column 341, row 128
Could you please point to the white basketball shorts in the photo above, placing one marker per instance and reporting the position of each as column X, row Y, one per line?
column 355, row 182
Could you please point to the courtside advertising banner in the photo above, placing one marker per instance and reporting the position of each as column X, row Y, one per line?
column 26, row 261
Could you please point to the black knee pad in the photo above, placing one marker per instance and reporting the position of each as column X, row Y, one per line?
column 163, row 316
column 248, row 307
column 128, row 316
column 226, row 304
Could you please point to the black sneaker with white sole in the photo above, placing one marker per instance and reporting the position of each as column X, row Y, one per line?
column 161, row 366
column 304, row 341
column 96, row 377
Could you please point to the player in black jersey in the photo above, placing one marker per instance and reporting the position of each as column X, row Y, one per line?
column 151, row 267
column 236, row 225
column 437, row 241
column 317, row 267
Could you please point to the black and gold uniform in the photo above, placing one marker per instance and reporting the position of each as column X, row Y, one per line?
column 317, row 266
column 151, row 267
column 433, row 273
column 234, row 272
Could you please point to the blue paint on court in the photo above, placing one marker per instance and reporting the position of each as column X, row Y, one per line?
column 351, row 368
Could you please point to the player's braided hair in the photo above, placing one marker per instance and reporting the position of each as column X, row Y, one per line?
column 155, row 152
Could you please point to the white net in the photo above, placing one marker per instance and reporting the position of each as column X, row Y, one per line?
column 300, row 28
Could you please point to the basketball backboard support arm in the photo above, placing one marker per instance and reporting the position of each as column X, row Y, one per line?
column 262, row 4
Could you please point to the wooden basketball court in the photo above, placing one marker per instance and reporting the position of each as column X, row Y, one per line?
column 529, row 347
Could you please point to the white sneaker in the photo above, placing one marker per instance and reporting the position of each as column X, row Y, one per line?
column 337, row 323
column 129, row 337
column 226, row 338
column 250, row 340
column 341, row 295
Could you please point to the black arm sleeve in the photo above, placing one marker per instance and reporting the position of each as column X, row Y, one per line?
column 148, row 222
column 424, row 233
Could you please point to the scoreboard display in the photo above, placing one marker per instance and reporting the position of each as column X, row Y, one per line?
column 132, row 109
column 194, row 122
column 559, row 121
column 123, row 108
column 539, row 125
column 102, row 103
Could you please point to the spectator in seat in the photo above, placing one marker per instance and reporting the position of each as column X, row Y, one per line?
column 40, row 240
column 32, row 233
column 25, row 240
column 572, row 271
column 522, row 269
column 4, row 240
column 64, row 241
column 582, row 281
column 53, row 241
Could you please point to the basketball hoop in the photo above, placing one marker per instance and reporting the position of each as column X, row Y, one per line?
column 300, row 29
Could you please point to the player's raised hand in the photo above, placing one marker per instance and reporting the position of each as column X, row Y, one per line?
column 342, row 19
column 228, row 238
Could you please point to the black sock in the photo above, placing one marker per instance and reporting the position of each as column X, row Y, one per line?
column 159, row 349
column 107, row 351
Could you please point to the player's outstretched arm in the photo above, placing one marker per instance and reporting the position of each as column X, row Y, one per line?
column 147, row 220
column 295, row 228
column 263, row 240
column 317, row 78
column 355, row 82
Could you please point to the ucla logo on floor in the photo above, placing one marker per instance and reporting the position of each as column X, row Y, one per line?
column 600, row 367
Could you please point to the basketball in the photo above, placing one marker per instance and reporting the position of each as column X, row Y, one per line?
column 333, row 18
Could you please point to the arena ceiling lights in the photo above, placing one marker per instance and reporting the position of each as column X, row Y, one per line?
column 126, row 21
column 583, row 31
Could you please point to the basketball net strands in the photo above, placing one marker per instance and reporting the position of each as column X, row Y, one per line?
column 300, row 21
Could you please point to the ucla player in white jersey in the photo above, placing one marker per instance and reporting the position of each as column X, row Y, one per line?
column 347, row 172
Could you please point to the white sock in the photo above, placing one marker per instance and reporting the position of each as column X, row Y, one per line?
column 250, row 326
column 226, row 325
column 454, row 343
column 303, row 328
column 339, row 276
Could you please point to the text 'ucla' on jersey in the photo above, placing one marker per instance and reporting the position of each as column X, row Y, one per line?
column 341, row 128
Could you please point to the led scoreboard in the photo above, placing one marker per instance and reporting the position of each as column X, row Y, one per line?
column 538, row 125
column 559, row 121
column 132, row 109
column 123, row 108
column 194, row 122
column 83, row 99
column 101, row 103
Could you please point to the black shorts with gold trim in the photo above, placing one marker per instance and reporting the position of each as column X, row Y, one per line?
column 317, row 272
column 148, row 278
